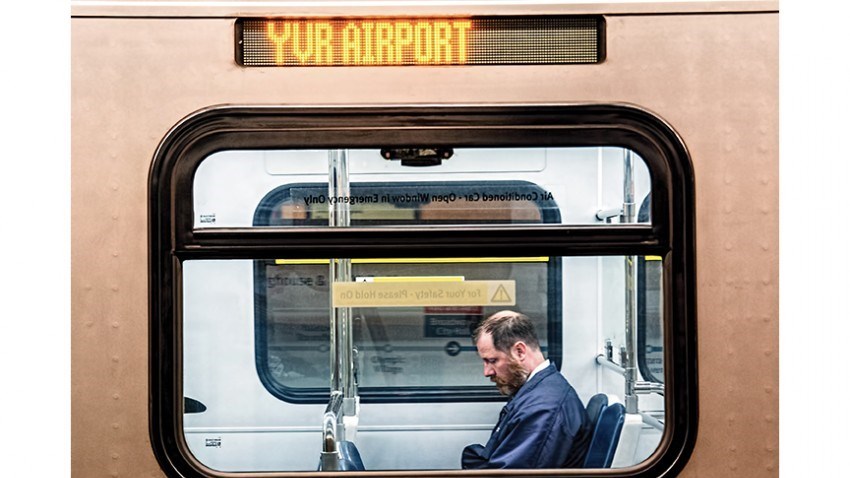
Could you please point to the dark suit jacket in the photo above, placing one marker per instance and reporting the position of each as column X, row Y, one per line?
column 543, row 426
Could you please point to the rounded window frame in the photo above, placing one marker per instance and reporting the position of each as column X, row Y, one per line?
column 173, row 238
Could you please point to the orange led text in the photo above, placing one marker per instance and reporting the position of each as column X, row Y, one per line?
column 373, row 42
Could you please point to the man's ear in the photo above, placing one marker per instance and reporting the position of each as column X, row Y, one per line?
column 519, row 351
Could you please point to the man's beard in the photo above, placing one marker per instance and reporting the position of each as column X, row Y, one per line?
column 509, row 386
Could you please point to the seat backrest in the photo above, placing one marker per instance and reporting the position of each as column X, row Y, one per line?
column 595, row 405
column 600, row 454
column 350, row 457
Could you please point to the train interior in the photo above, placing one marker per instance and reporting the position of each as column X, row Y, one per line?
column 306, row 363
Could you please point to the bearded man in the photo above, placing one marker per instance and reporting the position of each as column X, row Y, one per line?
column 544, row 424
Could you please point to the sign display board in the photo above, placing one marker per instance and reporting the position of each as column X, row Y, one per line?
column 415, row 41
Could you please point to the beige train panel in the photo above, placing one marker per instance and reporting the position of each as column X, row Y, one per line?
column 134, row 79
column 109, row 321
column 110, row 164
column 205, row 8
column 724, row 104
column 725, row 108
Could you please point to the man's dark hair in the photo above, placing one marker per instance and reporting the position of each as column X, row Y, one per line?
column 507, row 328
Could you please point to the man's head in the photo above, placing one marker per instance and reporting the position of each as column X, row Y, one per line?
column 508, row 345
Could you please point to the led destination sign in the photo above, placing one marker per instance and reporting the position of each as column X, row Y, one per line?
column 418, row 41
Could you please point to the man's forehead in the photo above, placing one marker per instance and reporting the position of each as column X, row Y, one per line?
column 485, row 344
column 484, row 339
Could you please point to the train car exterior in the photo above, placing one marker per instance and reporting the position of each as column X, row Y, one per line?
column 153, row 81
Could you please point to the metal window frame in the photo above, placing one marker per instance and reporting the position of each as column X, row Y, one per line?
column 172, row 238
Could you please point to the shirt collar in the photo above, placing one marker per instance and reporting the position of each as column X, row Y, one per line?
column 540, row 367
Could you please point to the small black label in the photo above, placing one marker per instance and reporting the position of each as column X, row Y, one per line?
column 447, row 325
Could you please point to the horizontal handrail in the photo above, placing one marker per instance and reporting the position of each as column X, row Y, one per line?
column 652, row 421
column 641, row 386
column 605, row 362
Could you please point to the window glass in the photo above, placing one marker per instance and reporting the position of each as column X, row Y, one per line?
column 650, row 319
column 451, row 202
column 412, row 361
column 578, row 185
column 407, row 347
column 293, row 296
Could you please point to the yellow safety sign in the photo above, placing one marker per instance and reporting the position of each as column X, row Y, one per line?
column 502, row 296
column 408, row 293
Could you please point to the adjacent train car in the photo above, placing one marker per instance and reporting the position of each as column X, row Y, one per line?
column 288, row 217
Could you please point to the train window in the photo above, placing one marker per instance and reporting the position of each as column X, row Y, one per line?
column 419, row 357
column 405, row 353
column 405, row 195
column 291, row 297
column 649, row 314
column 314, row 285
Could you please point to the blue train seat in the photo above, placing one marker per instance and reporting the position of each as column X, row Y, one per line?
column 600, row 454
column 595, row 405
column 350, row 457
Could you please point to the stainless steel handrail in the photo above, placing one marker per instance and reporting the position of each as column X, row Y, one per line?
column 611, row 365
column 641, row 387
column 330, row 421
column 339, row 216
column 644, row 387
column 652, row 421
column 630, row 360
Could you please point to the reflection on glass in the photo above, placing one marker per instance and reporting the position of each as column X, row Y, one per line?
column 371, row 204
column 474, row 186
column 396, row 346
column 258, row 338
column 255, row 342
column 651, row 335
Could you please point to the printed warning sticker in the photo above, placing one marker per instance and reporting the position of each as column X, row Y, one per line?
column 407, row 293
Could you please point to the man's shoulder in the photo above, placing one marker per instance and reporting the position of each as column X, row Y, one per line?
column 554, row 382
column 552, row 401
column 549, row 386
column 550, row 376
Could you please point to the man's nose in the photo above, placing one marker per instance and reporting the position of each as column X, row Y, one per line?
column 488, row 370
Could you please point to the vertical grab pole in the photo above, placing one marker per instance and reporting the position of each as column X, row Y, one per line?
column 342, row 342
column 628, row 216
